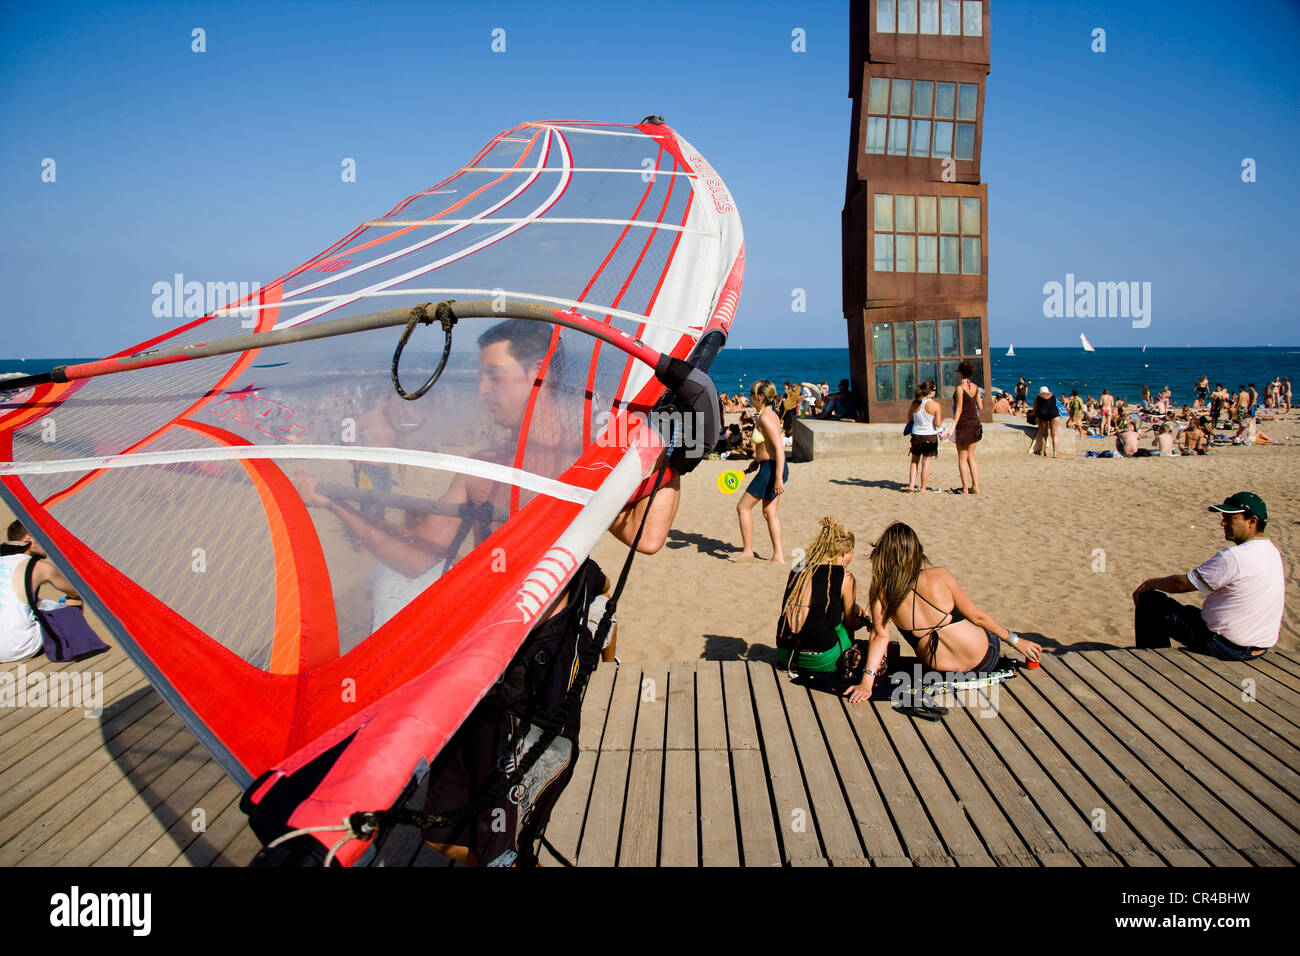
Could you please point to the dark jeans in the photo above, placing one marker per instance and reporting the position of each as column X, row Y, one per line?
column 1158, row 618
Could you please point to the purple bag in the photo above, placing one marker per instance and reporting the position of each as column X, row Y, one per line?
column 65, row 635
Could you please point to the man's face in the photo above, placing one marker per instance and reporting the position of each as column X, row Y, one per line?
column 1237, row 527
column 504, row 384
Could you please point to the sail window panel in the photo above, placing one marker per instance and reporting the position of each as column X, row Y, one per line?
column 900, row 98
column 972, row 18
column 905, row 249
column 907, row 16
column 972, row 338
column 882, row 342
column 922, row 98
column 905, row 214
column 898, row 137
column 878, row 102
column 929, row 18
column 965, row 141
column 884, row 217
column 970, row 215
column 950, row 18
column 884, row 383
column 884, row 16
column 927, row 254
column 926, row 217
column 967, row 101
column 948, row 343
column 927, row 343
column 906, row 381
column 876, row 126
column 945, row 100
column 948, row 214
column 920, row 137
column 942, row 141
column 884, row 257
column 948, row 255
column 970, row 257
column 904, row 341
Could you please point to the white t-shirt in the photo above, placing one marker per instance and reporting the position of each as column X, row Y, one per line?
column 20, row 635
column 1244, row 587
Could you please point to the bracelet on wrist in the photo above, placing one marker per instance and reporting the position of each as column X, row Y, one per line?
column 1013, row 638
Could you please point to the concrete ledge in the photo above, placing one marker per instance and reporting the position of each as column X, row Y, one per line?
column 1006, row 435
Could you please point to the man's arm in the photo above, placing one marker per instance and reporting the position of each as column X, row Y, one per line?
column 46, row 573
column 657, row 524
column 1173, row 584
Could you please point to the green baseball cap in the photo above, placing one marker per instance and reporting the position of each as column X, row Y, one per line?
column 1243, row 502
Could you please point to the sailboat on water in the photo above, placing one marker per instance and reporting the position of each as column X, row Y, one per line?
column 1087, row 346
column 1011, row 352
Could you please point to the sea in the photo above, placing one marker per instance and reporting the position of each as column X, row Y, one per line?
column 1123, row 371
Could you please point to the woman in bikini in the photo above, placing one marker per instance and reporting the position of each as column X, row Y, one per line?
column 945, row 628
column 820, row 611
column 769, row 484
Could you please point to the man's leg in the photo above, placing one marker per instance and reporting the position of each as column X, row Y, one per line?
column 1158, row 619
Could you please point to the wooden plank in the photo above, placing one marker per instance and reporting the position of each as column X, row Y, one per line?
column 922, row 844
column 866, row 804
column 793, row 813
column 48, row 826
column 1186, row 761
column 750, row 812
column 1279, row 674
column 1052, row 783
column 639, row 844
column 241, row 850
column 1282, row 663
column 962, row 842
column 830, row 810
column 1228, row 689
column 679, row 839
column 127, row 833
column 1001, row 798
column 1290, row 654
column 565, row 827
column 600, row 833
column 177, row 837
column 1226, row 721
column 1116, row 798
column 1144, row 766
column 224, row 821
column 67, row 765
column 1278, row 697
column 22, row 727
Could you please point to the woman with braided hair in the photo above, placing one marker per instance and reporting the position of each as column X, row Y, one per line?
column 820, row 607
column 905, row 589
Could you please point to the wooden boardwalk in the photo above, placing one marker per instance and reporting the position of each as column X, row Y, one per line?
column 1101, row 758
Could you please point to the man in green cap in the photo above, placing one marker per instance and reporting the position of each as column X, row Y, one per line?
column 1243, row 587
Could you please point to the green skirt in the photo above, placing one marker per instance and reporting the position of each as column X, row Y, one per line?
column 823, row 662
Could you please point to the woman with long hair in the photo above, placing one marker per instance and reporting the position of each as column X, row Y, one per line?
column 969, row 431
column 927, row 419
column 945, row 628
column 820, row 609
column 773, row 472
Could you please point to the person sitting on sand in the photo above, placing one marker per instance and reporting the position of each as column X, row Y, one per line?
column 1002, row 405
column 1196, row 438
column 20, row 632
column 773, row 472
column 1163, row 440
column 1126, row 442
column 820, row 611
column 945, row 628
column 19, row 540
column 1244, row 585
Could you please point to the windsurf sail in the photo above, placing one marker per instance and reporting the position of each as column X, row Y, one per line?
column 301, row 562
column 1087, row 346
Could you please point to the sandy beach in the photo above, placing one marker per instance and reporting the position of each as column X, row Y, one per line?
column 1053, row 548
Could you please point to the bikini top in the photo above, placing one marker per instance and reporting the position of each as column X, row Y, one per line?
column 911, row 637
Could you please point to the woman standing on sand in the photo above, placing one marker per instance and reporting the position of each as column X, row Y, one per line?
column 969, row 430
column 1107, row 409
column 945, row 628
column 773, row 472
column 927, row 419
column 1048, row 417
column 820, row 609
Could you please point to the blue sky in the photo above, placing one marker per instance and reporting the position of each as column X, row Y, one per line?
column 224, row 165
